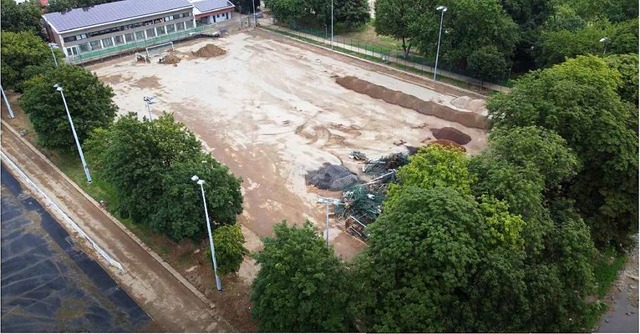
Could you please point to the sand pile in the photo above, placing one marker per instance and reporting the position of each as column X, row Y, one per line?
column 430, row 108
column 451, row 134
column 209, row 51
column 170, row 59
column 332, row 177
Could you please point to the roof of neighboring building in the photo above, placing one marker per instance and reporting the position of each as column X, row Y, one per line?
column 110, row 12
column 204, row 6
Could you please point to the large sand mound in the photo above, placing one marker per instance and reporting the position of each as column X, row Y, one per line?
column 430, row 108
column 209, row 51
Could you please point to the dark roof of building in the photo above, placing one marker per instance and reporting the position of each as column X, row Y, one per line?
column 110, row 12
column 210, row 5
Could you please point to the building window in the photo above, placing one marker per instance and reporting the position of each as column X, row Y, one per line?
column 187, row 14
column 84, row 47
column 161, row 30
column 177, row 16
column 107, row 42
column 171, row 28
column 180, row 26
column 140, row 35
column 118, row 39
column 189, row 24
column 70, row 39
column 129, row 37
column 151, row 33
column 95, row 45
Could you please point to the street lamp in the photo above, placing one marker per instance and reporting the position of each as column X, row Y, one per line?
column 6, row 101
column 148, row 100
column 51, row 47
column 442, row 9
column 331, row 24
column 328, row 201
column 196, row 179
column 75, row 135
column 254, row 13
column 603, row 40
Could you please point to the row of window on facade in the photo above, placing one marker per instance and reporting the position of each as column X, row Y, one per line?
column 126, row 27
column 128, row 38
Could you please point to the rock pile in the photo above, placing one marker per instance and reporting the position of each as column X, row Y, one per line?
column 332, row 177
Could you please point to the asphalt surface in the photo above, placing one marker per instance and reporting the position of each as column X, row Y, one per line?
column 48, row 283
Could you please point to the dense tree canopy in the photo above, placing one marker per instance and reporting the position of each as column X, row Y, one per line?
column 23, row 17
column 301, row 285
column 393, row 18
column 89, row 100
column 230, row 251
column 349, row 13
column 150, row 164
column 579, row 100
column 23, row 55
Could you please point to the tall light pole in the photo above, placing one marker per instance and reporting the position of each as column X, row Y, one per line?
column 51, row 47
column 6, row 101
column 331, row 24
column 75, row 135
column 604, row 40
column 148, row 100
column 213, row 249
column 328, row 201
column 254, row 13
column 442, row 9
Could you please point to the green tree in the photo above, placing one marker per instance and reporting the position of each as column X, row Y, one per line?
column 491, row 26
column 393, row 18
column 224, row 199
column 89, row 100
column 434, row 265
column 433, row 166
column 230, row 251
column 487, row 63
column 23, row 17
column 351, row 13
column 301, row 285
column 579, row 100
column 23, row 56
column 150, row 164
column 627, row 65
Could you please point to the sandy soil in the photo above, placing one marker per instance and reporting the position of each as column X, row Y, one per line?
column 271, row 111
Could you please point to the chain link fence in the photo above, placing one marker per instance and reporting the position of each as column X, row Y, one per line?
column 383, row 54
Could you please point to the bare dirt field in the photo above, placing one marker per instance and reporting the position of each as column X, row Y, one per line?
column 270, row 109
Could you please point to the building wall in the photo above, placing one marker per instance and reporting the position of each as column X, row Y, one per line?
column 125, row 32
column 215, row 16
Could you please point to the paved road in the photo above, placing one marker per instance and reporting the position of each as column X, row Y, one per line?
column 163, row 293
column 48, row 283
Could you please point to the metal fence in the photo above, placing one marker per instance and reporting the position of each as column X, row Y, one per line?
column 389, row 55
column 138, row 45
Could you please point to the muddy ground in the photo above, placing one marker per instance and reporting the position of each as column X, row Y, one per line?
column 270, row 109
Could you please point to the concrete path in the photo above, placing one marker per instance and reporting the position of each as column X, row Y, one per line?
column 161, row 291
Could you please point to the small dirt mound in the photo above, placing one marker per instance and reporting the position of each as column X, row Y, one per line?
column 170, row 59
column 447, row 143
column 451, row 134
column 209, row 51
column 331, row 177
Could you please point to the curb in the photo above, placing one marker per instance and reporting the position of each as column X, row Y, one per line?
column 168, row 267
